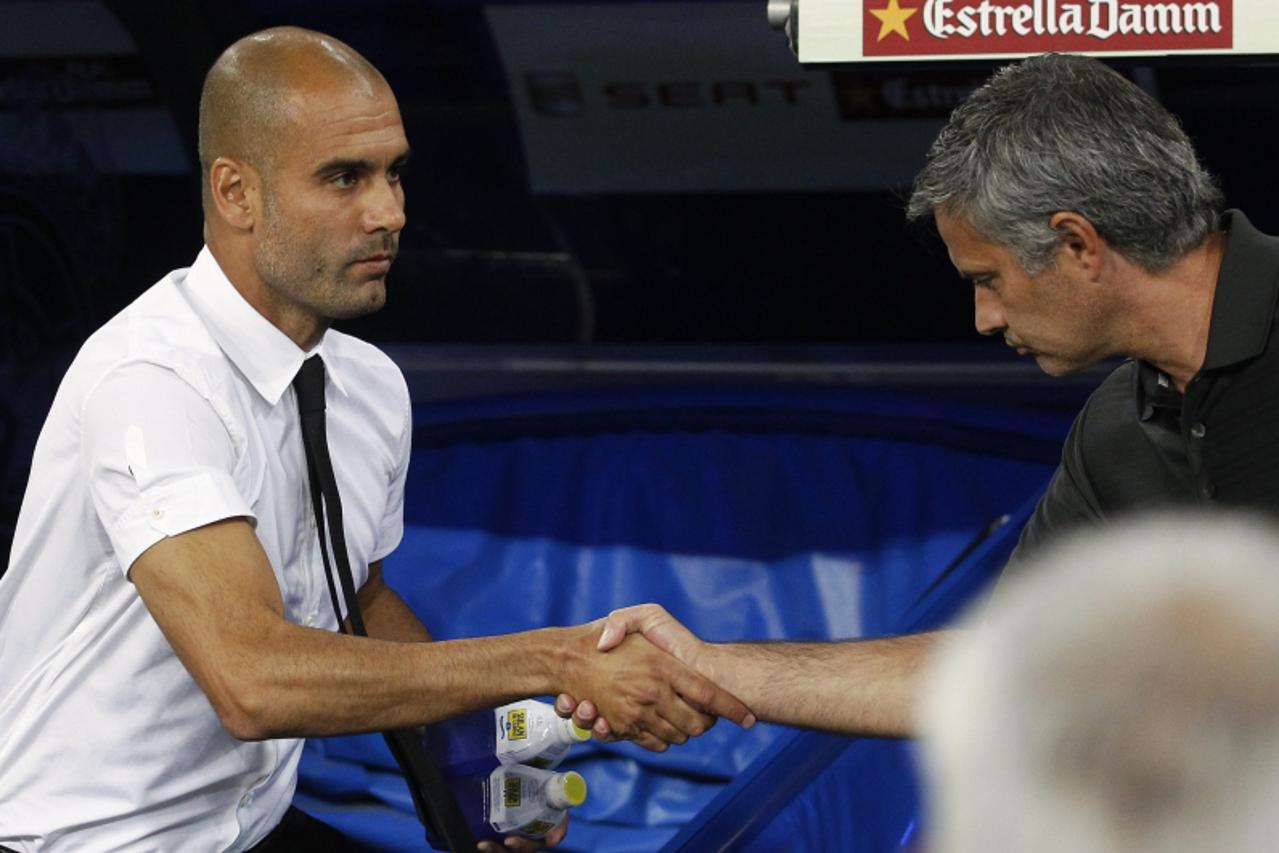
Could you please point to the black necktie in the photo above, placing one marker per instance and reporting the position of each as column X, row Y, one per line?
column 431, row 796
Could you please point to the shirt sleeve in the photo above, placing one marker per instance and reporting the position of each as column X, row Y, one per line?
column 391, row 530
column 160, row 460
column 1068, row 502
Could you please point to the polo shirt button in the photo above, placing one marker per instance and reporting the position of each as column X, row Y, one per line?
column 157, row 513
column 1198, row 430
column 1208, row 490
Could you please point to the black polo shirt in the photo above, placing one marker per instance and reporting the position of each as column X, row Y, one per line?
column 1139, row 445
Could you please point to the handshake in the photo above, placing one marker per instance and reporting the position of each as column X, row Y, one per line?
column 639, row 675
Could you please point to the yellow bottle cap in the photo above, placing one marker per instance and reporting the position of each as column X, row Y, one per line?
column 581, row 733
column 574, row 788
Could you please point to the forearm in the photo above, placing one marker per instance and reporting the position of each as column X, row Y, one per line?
column 866, row 687
column 309, row 682
column 386, row 615
column 267, row 677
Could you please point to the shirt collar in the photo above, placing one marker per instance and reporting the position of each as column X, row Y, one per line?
column 264, row 354
column 1155, row 392
column 1243, row 307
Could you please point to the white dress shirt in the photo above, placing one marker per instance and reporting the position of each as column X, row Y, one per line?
column 177, row 413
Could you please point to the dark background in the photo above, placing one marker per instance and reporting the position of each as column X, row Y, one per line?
column 487, row 266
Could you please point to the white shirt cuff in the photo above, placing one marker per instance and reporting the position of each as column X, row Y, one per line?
column 174, row 506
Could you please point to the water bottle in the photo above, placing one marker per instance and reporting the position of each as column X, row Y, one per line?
column 525, row 732
column 527, row 801
column 516, row 800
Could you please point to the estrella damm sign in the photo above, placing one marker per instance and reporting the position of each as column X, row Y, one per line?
column 917, row 28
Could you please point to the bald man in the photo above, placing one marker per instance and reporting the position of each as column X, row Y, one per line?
column 167, row 631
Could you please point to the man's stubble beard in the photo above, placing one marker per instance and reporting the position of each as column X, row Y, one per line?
column 303, row 276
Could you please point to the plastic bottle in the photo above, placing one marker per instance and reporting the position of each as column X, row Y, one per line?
column 530, row 802
column 525, row 732
column 517, row 800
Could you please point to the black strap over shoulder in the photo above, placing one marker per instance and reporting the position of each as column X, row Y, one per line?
column 432, row 798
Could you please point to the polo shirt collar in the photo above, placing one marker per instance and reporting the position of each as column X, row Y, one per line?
column 1243, row 307
column 1155, row 392
column 266, row 356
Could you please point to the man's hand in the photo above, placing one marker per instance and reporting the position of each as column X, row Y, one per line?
column 658, row 627
column 662, row 630
column 645, row 695
column 665, row 704
column 525, row 845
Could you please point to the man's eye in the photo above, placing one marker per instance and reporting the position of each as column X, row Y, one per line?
column 344, row 179
column 394, row 175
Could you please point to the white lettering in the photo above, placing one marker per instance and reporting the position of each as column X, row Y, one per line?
column 1105, row 18
column 1163, row 18
column 987, row 28
column 1072, row 21
column 935, row 14
column 1130, row 20
column 1102, row 10
column 1021, row 17
column 1001, row 12
column 1202, row 17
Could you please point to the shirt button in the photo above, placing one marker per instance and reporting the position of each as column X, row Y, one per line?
column 157, row 513
column 1198, row 430
column 1208, row 490
column 246, row 800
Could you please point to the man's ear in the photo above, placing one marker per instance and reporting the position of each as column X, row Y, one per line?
column 232, row 185
column 1081, row 248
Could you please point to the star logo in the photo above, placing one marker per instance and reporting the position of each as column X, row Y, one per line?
column 892, row 19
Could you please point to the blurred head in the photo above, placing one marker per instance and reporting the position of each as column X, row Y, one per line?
column 1065, row 133
column 302, row 149
column 1121, row 697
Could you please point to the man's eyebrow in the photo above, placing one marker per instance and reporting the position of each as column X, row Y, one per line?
column 356, row 164
column 333, row 167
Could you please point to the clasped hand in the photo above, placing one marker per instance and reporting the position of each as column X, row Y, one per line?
column 634, row 687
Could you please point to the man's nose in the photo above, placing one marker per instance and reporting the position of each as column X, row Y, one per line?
column 988, row 313
column 385, row 208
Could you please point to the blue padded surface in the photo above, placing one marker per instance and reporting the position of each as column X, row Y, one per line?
column 815, row 791
column 750, row 514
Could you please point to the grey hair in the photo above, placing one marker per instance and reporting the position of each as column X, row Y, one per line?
column 1120, row 697
column 1065, row 133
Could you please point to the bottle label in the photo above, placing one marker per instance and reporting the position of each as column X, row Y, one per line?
column 517, row 724
column 512, row 795
column 516, row 802
column 537, row 828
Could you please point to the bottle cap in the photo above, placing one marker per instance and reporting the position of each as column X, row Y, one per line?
column 574, row 788
column 572, row 730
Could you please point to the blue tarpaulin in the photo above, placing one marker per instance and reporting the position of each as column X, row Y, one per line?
column 803, row 513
